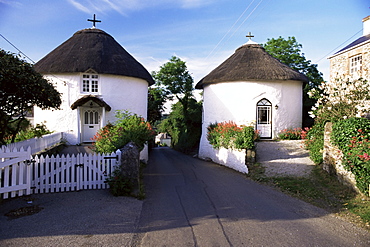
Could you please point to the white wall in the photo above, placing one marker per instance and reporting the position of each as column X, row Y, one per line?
column 120, row 92
column 65, row 119
column 237, row 101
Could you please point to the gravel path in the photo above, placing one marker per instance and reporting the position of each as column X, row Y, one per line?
column 284, row 158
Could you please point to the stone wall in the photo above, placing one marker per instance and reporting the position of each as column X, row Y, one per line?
column 130, row 165
column 340, row 63
column 333, row 161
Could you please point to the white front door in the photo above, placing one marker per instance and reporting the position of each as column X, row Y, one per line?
column 90, row 123
column 264, row 119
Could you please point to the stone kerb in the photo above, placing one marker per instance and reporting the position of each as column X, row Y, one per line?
column 332, row 161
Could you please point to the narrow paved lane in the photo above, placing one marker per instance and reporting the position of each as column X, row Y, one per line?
column 196, row 203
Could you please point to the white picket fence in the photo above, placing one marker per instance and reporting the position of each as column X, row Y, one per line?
column 22, row 174
column 36, row 144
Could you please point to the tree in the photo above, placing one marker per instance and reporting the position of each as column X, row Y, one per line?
column 289, row 52
column 184, row 121
column 175, row 125
column 21, row 88
column 175, row 80
column 156, row 100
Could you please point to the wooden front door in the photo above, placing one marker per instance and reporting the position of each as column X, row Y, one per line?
column 264, row 123
column 90, row 123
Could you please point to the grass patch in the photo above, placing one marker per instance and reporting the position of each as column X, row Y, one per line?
column 322, row 190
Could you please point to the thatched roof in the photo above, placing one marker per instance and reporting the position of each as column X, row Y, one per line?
column 92, row 49
column 83, row 100
column 251, row 62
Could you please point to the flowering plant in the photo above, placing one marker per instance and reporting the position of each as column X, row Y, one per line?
column 230, row 135
column 293, row 134
column 338, row 99
column 128, row 127
column 341, row 99
column 352, row 136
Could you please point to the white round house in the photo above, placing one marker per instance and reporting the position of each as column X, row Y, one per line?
column 96, row 77
column 251, row 87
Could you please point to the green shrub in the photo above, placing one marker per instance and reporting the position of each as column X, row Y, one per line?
column 230, row 135
column 118, row 185
column 315, row 143
column 33, row 132
column 128, row 127
column 185, row 132
column 352, row 136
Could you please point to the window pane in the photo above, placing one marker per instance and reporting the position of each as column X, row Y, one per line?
column 355, row 64
column 96, row 118
column 86, row 118
column 85, row 86
column 264, row 102
column 263, row 115
column 90, row 83
column 91, row 118
column 94, row 86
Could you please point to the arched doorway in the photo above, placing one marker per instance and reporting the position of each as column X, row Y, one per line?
column 264, row 122
column 91, row 114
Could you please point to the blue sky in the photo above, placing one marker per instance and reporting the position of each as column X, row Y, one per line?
column 201, row 32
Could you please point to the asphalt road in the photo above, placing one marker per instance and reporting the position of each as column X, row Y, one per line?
column 196, row 203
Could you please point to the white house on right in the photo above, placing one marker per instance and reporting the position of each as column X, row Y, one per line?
column 250, row 87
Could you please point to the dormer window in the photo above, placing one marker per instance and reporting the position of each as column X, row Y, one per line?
column 355, row 64
column 90, row 83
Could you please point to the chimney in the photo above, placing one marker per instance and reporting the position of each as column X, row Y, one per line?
column 366, row 25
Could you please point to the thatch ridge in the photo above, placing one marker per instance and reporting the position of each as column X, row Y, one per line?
column 92, row 49
column 251, row 62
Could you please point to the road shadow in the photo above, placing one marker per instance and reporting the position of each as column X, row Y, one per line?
column 69, row 218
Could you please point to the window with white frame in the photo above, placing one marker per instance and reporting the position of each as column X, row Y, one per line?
column 355, row 64
column 90, row 83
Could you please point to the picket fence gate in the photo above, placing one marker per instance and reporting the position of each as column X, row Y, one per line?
column 23, row 174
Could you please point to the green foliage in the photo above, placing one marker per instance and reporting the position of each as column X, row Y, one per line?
column 315, row 142
column 352, row 136
column 288, row 51
column 118, row 185
column 293, row 134
column 175, row 81
column 33, row 132
column 156, row 100
column 21, row 88
column 174, row 78
column 230, row 135
column 128, row 127
column 185, row 133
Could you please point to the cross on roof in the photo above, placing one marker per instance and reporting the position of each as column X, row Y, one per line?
column 93, row 21
column 250, row 36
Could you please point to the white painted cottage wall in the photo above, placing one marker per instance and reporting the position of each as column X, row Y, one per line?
column 119, row 92
column 65, row 119
column 236, row 101
column 124, row 93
